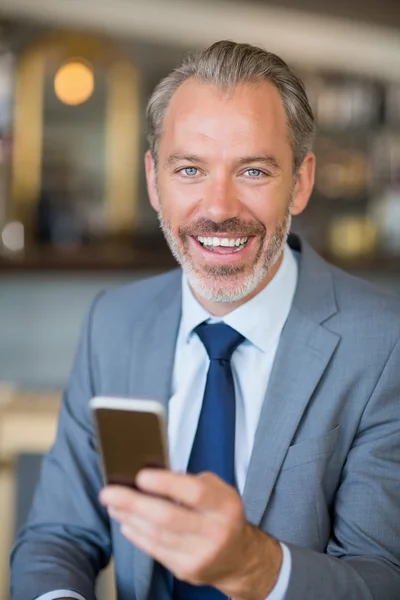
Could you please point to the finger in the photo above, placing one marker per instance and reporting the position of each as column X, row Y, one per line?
column 119, row 497
column 165, row 547
column 156, row 511
column 170, row 539
column 118, row 515
column 202, row 492
column 177, row 559
column 148, row 543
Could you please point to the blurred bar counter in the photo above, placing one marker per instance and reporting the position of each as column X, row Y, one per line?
column 149, row 255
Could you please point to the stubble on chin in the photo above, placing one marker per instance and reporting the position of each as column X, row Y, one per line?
column 228, row 283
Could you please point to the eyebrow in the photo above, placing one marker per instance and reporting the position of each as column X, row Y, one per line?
column 267, row 160
column 176, row 158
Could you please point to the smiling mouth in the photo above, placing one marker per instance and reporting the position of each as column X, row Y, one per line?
column 223, row 245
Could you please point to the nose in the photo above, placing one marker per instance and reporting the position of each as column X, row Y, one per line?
column 221, row 201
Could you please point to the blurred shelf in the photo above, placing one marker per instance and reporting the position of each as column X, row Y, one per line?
column 96, row 258
column 147, row 257
column 385, row 265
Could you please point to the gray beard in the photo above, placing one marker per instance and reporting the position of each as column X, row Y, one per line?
column 215, row 283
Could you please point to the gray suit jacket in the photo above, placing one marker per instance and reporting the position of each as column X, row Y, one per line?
column 324, row 475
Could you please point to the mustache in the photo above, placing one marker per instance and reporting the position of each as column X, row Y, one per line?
column 205, row 227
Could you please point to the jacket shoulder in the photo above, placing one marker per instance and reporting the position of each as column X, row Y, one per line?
column 364, row 298
column 124, row 305
column 368, row 315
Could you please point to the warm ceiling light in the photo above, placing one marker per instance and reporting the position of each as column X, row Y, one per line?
column 74, row 83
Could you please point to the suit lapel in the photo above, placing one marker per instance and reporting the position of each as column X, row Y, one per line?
column 303, row 355
column 153, row 352
column 153, row 345
column 304, row 352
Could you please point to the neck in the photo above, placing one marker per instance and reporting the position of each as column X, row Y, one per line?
column 220, row 309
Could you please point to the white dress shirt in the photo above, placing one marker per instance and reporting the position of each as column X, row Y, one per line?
column 260, row 321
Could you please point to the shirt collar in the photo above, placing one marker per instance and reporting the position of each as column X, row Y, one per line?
column 261, row 319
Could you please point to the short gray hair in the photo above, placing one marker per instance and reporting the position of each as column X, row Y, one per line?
column 228, row 64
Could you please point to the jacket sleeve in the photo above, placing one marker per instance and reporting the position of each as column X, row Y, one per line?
column 66, row 540
column 362, row 561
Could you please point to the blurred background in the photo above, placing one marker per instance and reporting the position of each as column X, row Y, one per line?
column 75, row 76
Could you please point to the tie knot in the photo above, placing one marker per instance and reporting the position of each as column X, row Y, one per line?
column 220, row 340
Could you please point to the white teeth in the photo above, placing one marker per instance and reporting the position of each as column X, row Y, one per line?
column 215, row 241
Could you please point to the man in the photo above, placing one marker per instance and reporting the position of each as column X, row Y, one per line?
column 291, row 440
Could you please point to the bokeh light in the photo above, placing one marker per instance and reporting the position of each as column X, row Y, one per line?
column 74, row 83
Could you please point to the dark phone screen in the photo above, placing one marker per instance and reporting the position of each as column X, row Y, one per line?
column 130, row 440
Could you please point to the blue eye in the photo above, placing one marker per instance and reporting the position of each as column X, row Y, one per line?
column 255, row 173
column 190, row 171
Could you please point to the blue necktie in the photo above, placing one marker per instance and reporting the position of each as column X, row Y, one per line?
column 214, row 443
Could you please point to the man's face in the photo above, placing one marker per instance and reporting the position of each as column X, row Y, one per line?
column 224, row 188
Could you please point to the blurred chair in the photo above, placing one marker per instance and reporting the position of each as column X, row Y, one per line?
column 28, row 423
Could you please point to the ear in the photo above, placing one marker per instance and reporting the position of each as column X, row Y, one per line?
column 304, row 184
column 151, row 179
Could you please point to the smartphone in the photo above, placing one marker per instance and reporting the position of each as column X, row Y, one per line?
column 132, row 435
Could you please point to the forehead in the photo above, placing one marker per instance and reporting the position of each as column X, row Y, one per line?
column 250, row 115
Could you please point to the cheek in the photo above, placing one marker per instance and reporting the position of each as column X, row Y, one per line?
column 268, row 204
column 179, row 201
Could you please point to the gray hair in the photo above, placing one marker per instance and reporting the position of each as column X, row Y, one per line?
column 227, row 64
